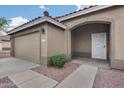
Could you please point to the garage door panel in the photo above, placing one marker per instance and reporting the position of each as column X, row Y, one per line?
column 28, row 47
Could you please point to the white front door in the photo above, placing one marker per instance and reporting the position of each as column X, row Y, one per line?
column 99, row 45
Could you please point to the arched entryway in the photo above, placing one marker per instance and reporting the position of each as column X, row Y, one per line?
column 91, row 40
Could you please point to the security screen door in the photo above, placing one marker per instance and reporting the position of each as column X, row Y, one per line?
column 99, row 46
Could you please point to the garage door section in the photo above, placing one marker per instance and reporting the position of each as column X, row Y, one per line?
column 27, row 47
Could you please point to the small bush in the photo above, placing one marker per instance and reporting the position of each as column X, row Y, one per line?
column 58, row 60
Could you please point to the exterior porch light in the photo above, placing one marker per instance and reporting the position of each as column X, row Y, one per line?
column 43, row 31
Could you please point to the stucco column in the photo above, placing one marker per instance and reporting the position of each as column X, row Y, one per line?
column 68, row 44
column 43, row 45
column 12, row 46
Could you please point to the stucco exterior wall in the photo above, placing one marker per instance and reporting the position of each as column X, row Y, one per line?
column 58, row 41
column 81, row 38
column 115, row 15
column 55, row 40
column 46, row 43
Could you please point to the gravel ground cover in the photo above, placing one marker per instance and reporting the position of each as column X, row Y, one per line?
column 6, row 83
column 57, row 74
column 109, row 78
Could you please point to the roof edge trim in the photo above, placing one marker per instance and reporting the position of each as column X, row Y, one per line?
column 35, row 22
column 83, row 12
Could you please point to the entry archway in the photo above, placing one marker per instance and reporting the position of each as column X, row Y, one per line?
column 82, row 40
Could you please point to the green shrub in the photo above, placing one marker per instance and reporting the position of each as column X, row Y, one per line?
column 58, row 60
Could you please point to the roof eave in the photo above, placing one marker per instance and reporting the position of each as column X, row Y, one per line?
column 35, row 22
column 83, row 12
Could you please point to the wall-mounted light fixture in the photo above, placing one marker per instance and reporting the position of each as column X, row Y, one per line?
column 43, row 31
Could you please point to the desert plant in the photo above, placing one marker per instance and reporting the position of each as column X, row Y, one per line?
column 3, row 23
column 58, row 60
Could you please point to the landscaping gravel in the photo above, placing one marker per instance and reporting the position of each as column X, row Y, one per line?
column 6, row 83
column 109, row 78
column 55, row 73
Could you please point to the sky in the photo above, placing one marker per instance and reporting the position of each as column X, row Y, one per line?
column 20, row 14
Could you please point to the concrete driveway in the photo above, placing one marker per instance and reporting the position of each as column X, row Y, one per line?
column 9, row 66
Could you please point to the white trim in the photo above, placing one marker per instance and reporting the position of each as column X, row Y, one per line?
column 83, row 12
column 35, row 22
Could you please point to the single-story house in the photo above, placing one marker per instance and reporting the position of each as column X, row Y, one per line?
column 95, row 32
column 5, row 44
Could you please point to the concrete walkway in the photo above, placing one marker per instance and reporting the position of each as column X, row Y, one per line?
column 11, row 65
column 31, row 79
column 20, row 74
column 92, row 62
column 83, row 77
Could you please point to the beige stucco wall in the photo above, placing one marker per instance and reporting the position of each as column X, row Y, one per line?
column 55, row 40
column 59, row 41
column 115, row 15
column 81, row 38
column 44, row 45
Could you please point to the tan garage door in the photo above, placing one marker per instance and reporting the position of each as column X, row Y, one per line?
column 27, row 47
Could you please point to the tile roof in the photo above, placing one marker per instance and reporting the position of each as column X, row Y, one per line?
column 76, row 11
column 37, row 19
column 56, row 18
column 83, row 11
